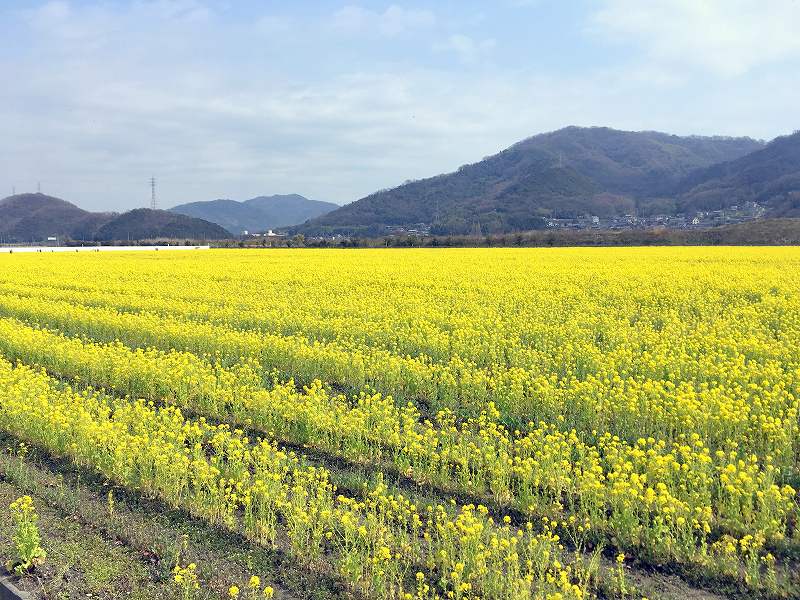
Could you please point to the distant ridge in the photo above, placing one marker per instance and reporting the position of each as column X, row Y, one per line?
column 35, row 217
column 769, row 176
column 257, row 214
column 145, row 223
column 569, row 173
column 565, row 173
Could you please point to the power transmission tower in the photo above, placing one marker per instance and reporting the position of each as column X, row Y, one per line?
column 153, row 203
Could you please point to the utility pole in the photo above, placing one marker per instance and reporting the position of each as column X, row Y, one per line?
column 38, row 187
column 153, row 204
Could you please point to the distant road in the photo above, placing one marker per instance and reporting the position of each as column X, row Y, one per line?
column 15, row 249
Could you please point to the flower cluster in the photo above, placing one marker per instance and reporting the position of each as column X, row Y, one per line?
column 646, row 399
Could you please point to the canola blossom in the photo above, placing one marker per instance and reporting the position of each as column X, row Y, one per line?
column 251, row 486
column 618, row 486
column 642, row 401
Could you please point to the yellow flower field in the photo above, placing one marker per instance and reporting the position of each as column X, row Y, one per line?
column 458, row 423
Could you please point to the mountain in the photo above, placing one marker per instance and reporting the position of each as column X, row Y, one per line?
column 257, row 214
column 28, row 218
column 230, row 214
column 35, row 217
column 145, row 223
column 289, row 209
column 770, row 176
column 565, row 173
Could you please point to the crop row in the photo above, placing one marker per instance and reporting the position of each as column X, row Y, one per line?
column 377, row 542
column 741, row 416
column 664, row 502
column 525, row 315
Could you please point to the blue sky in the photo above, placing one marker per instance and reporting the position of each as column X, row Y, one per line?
column 335, row 100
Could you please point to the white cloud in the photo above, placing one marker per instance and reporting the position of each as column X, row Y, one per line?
column 106, row 94
column 56, row 10
column 466, row 48
column 273, row 25
column 56, row 19
column 725, row 37
column 395, row 20
column 183, row 10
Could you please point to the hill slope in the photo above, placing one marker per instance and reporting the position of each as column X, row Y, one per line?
column 565, row 173
column 34, row 217
column 770, row 176
column 26, row 218
column 23, row 208
column 257, row 214
column 144, row 223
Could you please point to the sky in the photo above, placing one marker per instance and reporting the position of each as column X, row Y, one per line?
column 337, row 99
